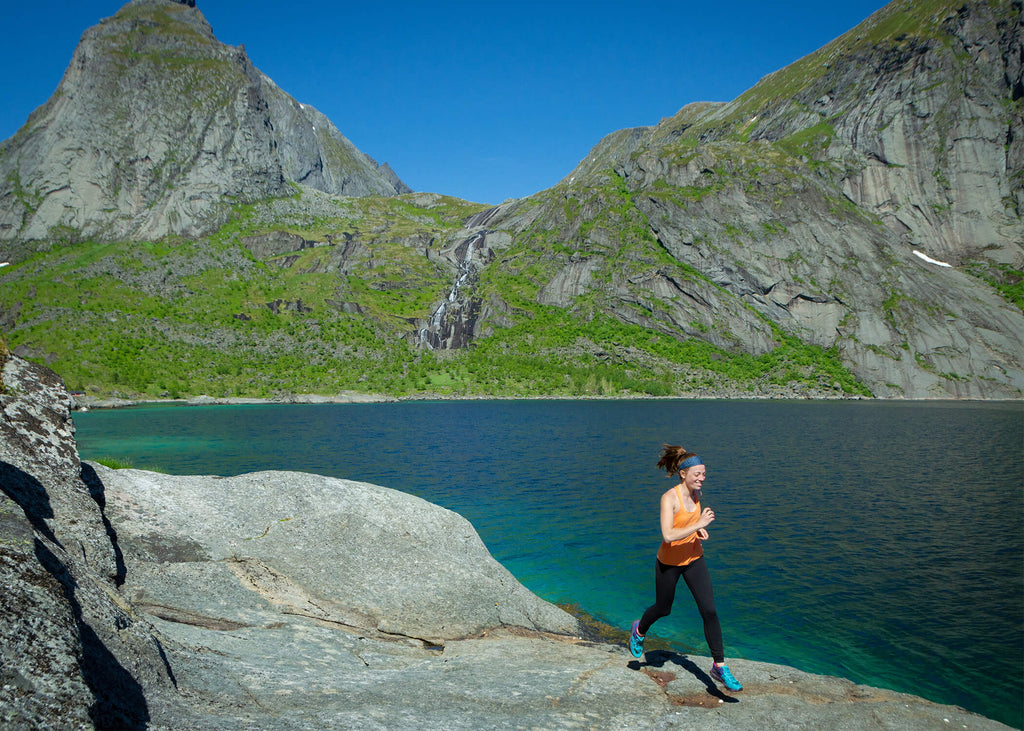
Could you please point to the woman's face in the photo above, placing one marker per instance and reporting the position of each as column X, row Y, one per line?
column 693, row 477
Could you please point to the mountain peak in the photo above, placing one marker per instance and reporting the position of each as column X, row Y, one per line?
column 155, row 124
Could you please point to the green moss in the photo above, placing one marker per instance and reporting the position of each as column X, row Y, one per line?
column 161, row 21
column 30, row 200
column 808, row 143
column 116, row 463
column 898, row 24
column 1007, row 281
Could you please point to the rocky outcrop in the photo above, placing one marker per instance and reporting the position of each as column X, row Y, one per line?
column 409, row 569
column 75, row 655
column 155, row 127
column 455, row 322
column 314, row 153
column 929, row 126
column 135, row 600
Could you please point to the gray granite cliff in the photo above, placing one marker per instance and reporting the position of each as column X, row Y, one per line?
column 155, row 126
column 136, row 600
column 851, row 198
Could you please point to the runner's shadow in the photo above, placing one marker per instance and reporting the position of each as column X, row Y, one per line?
column 660, row 658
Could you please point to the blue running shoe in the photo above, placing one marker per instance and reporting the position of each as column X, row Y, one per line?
column 723, row 675
column 636, row 640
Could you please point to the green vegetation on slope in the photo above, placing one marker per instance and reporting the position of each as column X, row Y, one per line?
column 1004, row 279
column 179, row 318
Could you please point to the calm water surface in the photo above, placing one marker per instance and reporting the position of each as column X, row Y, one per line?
column 881, row 542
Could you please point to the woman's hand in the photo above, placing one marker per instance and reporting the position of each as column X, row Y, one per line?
column 707, row 516
column 702, row 534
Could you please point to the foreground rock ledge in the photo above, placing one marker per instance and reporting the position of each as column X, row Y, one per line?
column 292, row 601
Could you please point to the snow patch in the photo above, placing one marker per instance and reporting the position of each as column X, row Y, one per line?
column 930, row 260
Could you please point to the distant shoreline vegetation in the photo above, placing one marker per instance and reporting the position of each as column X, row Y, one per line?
column 140, row 370
column 82, row 402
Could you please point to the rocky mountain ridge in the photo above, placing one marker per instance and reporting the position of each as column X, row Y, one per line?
column 155, row 125
column 136, row 600
column 914, row 116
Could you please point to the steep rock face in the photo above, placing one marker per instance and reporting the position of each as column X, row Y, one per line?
column 74, row 656
column 820, row 201
column 313, row 152
column 154, row 125
column 37, row 439
column 932, row 126
column 456, row 320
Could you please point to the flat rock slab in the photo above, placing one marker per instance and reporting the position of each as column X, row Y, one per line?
column 305, row 676
column 309, row 676
column 296, row 601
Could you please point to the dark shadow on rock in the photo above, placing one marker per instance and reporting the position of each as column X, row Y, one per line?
column 120, row 702
column 659, row 658
column 166, row 662
column 30, row 495
column 96, row 489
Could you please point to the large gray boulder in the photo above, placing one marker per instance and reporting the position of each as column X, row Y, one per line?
column 341, row 551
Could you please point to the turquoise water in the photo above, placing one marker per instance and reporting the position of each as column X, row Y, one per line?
column 881, row 542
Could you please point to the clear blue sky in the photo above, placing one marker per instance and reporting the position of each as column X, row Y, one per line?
column 480, row 100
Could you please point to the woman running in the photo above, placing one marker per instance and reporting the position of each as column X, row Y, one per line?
column 683, row 527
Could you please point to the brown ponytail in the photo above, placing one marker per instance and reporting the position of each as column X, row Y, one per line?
column 671, row 456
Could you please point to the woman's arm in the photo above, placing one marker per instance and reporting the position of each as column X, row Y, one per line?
column 668, row 512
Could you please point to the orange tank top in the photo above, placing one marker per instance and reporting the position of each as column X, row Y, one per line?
column 689, row 549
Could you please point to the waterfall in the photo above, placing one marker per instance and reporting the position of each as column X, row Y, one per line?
column 433, row 334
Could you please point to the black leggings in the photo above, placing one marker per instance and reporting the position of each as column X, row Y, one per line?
column 698, row 578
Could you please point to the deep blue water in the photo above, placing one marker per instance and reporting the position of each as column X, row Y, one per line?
column 878, row 541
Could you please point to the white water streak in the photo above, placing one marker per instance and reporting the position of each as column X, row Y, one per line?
column 465, row 271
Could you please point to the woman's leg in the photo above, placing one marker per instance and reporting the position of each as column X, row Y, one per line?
column 698, row 579
column 665, row 580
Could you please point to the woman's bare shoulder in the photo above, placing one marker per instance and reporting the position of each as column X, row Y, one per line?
column 670, row 497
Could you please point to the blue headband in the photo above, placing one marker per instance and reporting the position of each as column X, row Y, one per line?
column 690, row 462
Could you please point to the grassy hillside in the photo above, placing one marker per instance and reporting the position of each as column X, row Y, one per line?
column 177, row 318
